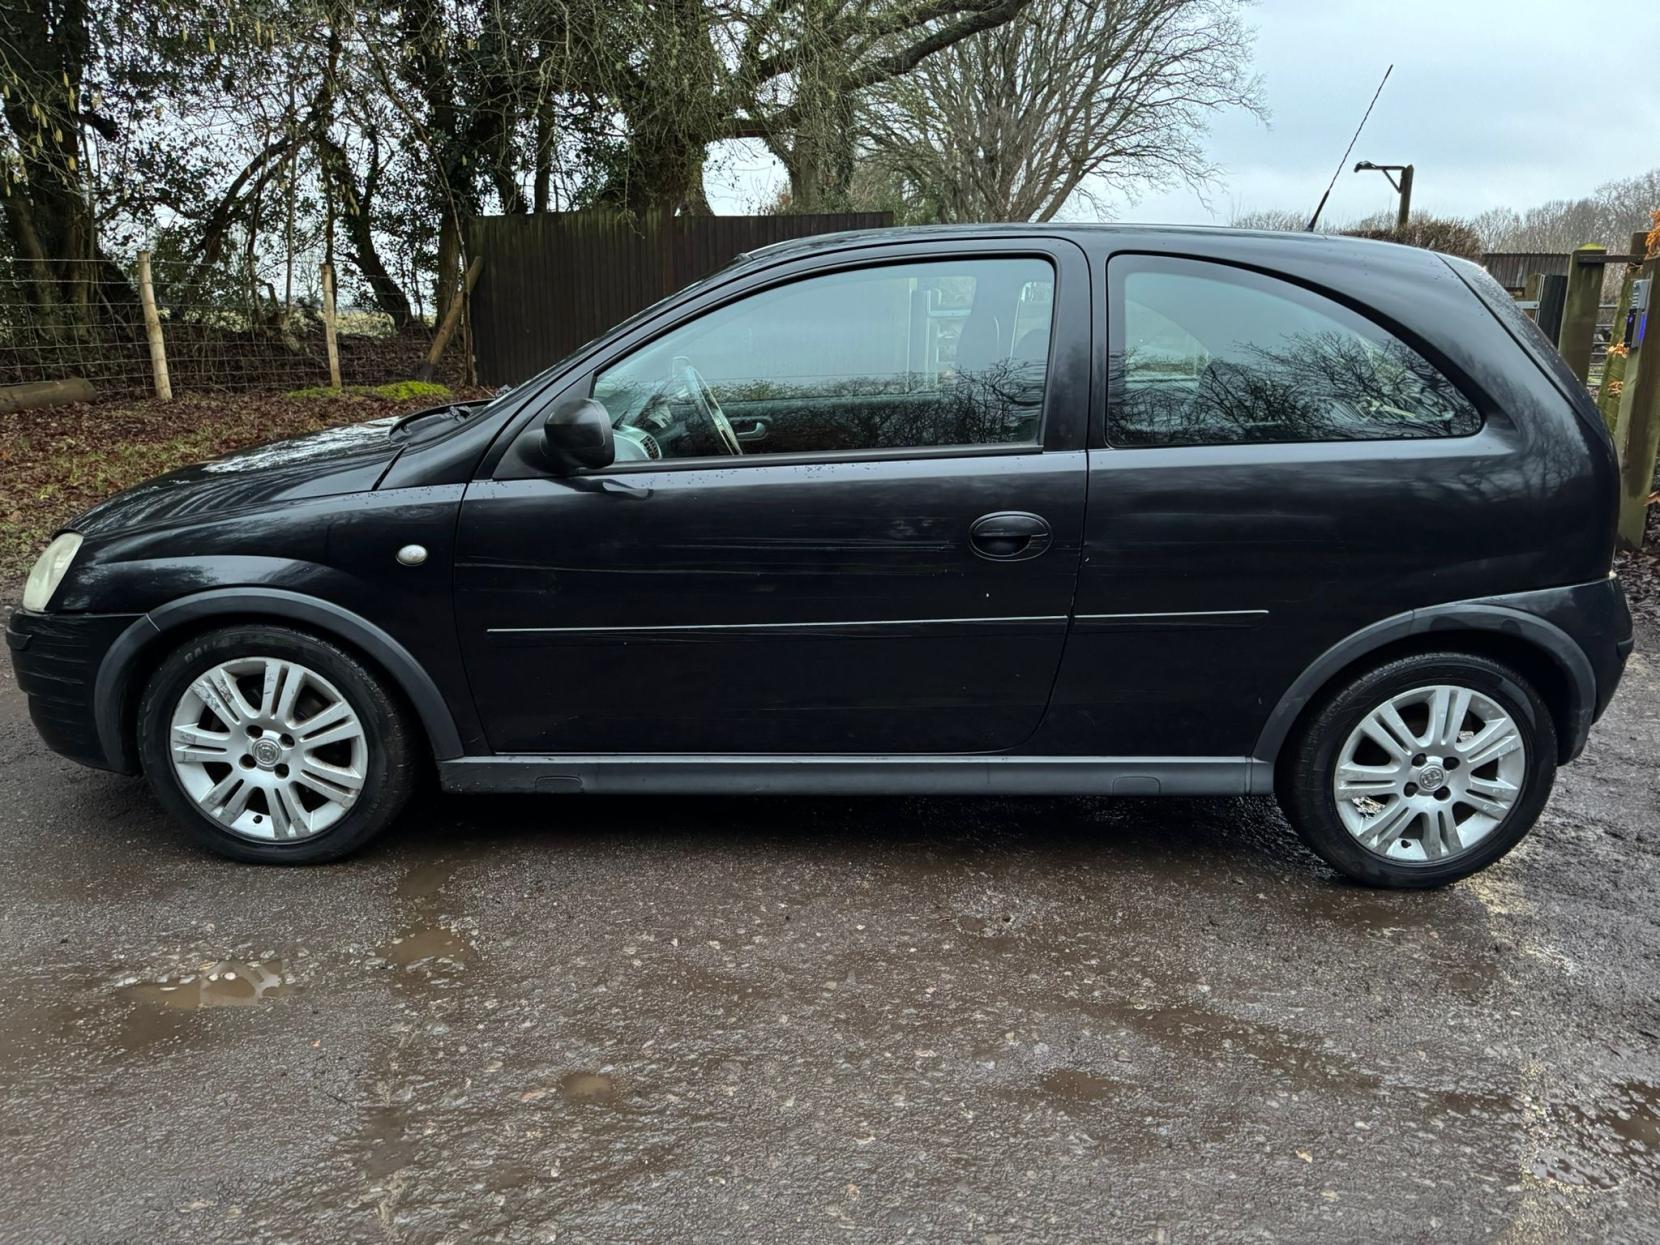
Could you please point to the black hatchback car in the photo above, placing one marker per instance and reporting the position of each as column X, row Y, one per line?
column 1105, row 510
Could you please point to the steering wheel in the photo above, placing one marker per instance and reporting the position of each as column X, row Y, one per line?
column 703, row 398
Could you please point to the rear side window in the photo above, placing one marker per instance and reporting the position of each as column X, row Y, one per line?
column 1207, row 354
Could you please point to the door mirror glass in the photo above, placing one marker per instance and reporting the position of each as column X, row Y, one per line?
column 577, row 435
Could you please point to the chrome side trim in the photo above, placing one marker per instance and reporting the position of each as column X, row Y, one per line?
column 1174, row 620
column 1178, row 614
column 768, row 626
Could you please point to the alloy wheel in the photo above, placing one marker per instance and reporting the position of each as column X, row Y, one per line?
column 1429, row 773
column 268, row 748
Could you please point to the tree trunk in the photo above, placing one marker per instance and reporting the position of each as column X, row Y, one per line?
column 360, row 233
column 670, row 125
column 545, row 135
column 819, row 159
column 449, row 264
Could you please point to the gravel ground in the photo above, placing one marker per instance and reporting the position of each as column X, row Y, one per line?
column 643, row 1020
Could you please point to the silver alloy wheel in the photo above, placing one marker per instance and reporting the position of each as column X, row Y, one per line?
column 1429, row 773
column 268, row 748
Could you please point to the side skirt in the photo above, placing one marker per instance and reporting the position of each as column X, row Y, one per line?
column 683, row 774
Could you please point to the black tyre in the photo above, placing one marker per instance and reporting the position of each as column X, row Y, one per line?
column 1421, row 771
column 275, row 747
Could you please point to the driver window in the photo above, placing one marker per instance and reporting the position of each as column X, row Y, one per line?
column 919, row 355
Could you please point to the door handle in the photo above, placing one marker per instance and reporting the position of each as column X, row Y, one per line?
column 1009, row 536
column 749, row 430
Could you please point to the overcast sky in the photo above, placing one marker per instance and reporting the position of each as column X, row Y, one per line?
column 1494, row 101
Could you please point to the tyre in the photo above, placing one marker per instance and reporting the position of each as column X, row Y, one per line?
column 1421, row 771
column 274, row 746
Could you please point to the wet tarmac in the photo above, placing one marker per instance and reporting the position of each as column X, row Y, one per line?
column 841, row 1019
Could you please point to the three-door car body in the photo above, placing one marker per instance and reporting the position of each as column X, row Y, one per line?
column 1104, row 510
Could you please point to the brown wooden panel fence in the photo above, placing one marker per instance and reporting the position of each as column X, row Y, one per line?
column 554, row 280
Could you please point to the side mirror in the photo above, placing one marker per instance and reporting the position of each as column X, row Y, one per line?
column 578, row 434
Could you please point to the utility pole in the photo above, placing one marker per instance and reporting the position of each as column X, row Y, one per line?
column 1402, row 187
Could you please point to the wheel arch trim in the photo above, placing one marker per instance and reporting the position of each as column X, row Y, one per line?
column 1490, row 617
column 114, row 689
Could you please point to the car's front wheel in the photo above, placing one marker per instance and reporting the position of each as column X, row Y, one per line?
column 275, row 746
column 1421, row 771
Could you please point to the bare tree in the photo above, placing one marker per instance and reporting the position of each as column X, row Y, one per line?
column 786, row 72
column 1070, row 97
column 1282, row 220
column 1608, row 215
column 1447, row 234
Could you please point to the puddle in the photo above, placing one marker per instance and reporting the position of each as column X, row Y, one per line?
column 425, row 880
column 1388, row 912
column 429, row 943
column 589, row 1088
column 230, row 983
column 1207, row 1036
column 1614, row 1138
column 1071, row 1085
column 1637, row 1120
column 427, row 946
column 1475, row 1105
column 389, row 1147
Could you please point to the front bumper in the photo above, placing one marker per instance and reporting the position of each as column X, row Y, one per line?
column 56, row 657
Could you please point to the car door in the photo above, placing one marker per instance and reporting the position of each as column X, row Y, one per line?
column 893, row 573
column 1284, row 462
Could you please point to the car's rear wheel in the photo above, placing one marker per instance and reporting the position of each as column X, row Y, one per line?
column 274, row 746
column 1421, row 771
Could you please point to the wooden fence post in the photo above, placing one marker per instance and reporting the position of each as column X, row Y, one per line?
column 1553, row 289
column 152, row 330
column 1613, row 366
column 1532, row 288
column 1637, row 432
column 328, row 326
column 1579, row 310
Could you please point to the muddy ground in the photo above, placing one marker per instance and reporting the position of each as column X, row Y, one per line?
column 653, row 1020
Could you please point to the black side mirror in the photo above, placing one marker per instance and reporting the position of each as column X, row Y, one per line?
column 578, row 434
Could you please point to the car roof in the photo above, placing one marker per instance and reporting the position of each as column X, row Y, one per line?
column 1118, row 234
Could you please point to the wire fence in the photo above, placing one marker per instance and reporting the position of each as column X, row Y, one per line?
column 84, row 320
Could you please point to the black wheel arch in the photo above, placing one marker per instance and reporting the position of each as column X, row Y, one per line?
column 1538, row 649
column 139, row 649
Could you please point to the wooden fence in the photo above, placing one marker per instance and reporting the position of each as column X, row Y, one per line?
column 1610, row 360
column 552, row 281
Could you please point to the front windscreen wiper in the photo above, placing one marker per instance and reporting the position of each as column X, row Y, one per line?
column 455, row 411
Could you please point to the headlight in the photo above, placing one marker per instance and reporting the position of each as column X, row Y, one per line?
column 49, row 571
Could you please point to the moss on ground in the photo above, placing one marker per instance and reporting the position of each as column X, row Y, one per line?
column 397, row 391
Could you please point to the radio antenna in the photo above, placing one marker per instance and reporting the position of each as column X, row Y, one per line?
column 1341, row 164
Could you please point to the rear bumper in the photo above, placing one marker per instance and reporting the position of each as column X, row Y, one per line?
column 1596, row 619
column 1624, row 640
column 56, row 658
